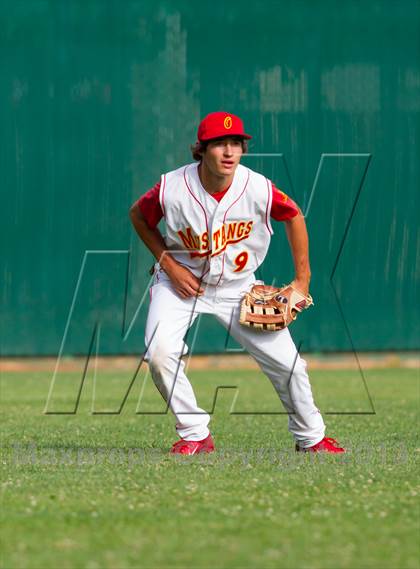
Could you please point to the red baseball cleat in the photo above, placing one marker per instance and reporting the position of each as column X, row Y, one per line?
column 193, row 447
column 326, row 445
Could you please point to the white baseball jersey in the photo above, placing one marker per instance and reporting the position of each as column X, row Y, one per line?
column 218, row 241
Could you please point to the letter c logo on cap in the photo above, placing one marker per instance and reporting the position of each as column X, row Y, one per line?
column 227, row 123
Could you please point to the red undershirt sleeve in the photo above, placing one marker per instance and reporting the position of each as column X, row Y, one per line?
column 150, row 207
column 282, row 207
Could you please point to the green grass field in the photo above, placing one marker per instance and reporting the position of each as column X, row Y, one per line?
column 94, row 491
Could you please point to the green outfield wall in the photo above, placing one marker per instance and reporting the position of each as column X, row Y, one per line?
column 98, row 97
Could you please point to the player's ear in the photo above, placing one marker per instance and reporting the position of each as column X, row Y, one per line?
column 197, row 150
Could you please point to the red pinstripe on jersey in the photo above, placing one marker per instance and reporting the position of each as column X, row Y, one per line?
column 224, row 220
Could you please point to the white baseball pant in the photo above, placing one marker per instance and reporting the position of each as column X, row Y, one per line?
column 169, row 319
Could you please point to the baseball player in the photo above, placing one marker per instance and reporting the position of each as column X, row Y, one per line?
column 217, row 214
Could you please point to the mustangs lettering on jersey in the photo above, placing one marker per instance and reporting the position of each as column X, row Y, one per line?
column 199, row 245
column 217, row 240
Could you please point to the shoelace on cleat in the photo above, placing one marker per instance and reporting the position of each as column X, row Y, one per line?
column 331, row 441
column 182, row 443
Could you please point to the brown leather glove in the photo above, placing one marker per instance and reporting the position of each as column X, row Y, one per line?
column 267, row 307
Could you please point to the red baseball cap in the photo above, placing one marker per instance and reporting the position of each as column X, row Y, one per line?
column 217, row 125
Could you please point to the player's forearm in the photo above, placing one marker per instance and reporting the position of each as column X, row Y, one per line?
column 152, row 238
column 299, row 246
column 185, row 283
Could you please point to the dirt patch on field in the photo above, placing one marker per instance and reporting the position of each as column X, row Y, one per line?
column 217, row 361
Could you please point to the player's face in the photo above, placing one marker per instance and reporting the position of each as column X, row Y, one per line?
column 223, row 156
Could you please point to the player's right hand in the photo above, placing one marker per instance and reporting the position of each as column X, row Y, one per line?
column 185, row 283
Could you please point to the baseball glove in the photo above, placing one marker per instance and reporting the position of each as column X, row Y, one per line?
column 270, row 308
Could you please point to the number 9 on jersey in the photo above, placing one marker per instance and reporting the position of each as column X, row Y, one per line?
column 240, row 261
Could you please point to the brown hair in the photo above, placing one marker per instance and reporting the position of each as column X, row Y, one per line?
column 200, row 147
